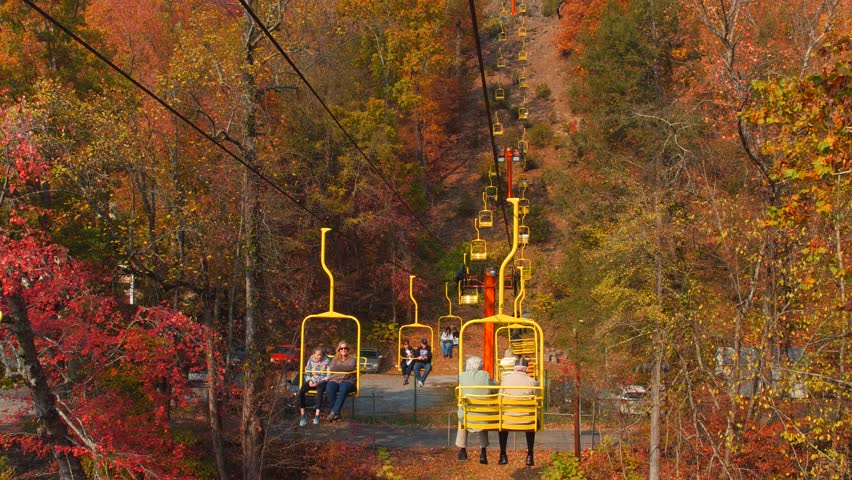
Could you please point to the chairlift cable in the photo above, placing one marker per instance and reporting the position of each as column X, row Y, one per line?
column 488, row 112
column 357, row 147
column 198, row 129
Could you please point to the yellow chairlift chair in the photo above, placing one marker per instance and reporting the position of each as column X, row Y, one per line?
column 522, row 30
column 498, row 127
column 522, row 53
column 486, row 216
column 499, row 94
column 313, row 326
column 497, row 407
column 522, row 80
column 449, row 317
column 502, row 36
column 524, row 235
column 501, row 60
column 478, row 247
column 524, row 206
column 416, row 325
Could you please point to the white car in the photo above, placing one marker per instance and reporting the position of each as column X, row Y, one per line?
column 632, row 400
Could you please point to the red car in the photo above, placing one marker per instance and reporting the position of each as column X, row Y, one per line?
column 285, row 354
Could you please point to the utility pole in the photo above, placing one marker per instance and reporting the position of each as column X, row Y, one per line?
column 577, row 392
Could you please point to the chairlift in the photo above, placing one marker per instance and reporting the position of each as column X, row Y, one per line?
column 499, row 94
column 522, row 30
column 522, row 7
column 522, row 80
column 498, row 127
column 449, row 317
column 523, row 145
column 309, row 328
column 523, row 113
column 486, row 217
column 416, row 325
column 491, row 193
column 502, row 36
column 501, row 60
column 523, row 234
column 478, row 247
column 504, row 407
column 522, row 54
column 524, row 207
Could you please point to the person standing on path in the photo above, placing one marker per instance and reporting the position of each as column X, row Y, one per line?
column 424, row 362
column 406, row 360
column 342, row 380
column 473, row 375
column 447, row 343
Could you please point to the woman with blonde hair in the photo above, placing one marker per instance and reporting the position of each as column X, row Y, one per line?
column 342, row 380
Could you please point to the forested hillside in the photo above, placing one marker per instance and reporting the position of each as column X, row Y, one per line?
column 687, row 167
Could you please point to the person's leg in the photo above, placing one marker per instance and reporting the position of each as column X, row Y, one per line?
column 320, row 393
column 427, row 367
column 503, row 436
column 530, row 446
column 331, row 389
column 417, row 367
column 344, row 388
column 483, row 444
column 302, row 392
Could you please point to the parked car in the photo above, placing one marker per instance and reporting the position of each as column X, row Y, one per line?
column 285, row 355
column 371, row 360
column 632, row 400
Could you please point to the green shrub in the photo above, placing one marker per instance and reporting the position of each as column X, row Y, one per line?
column 6, row 472
column 548, row 7
column 542, row 91
column 540, row 135
column 565, row 467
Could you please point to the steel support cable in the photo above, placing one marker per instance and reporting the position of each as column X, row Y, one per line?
column 195, row 127
column 488, row 114
column 334, row 118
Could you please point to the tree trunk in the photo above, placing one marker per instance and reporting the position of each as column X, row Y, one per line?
column 251, row 427
column 211, row 309
column 55, row 432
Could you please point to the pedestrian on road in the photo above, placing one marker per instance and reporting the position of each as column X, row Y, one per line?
column 517, row 378
column 316, row 376
column 342, row 380
column 424, row 362
column 447, row 343
column 406, row 360
column 473, row 375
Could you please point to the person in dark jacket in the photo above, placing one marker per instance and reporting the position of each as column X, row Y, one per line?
column 407, row 355
column 423, row 362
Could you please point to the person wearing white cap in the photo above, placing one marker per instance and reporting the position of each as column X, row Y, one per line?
column 517, row 378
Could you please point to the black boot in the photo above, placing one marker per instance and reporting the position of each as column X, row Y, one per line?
column 463, row 454
column 483, row 458
column 503, row 459
column 530, row 461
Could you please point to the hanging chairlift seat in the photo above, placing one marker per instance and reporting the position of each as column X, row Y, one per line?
column 523, row 234
column 468, row 295
column 523, row 206
column 499, row 94
column 498, row 128
column 478, row 250
column 523, row 113
column 486, row 218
